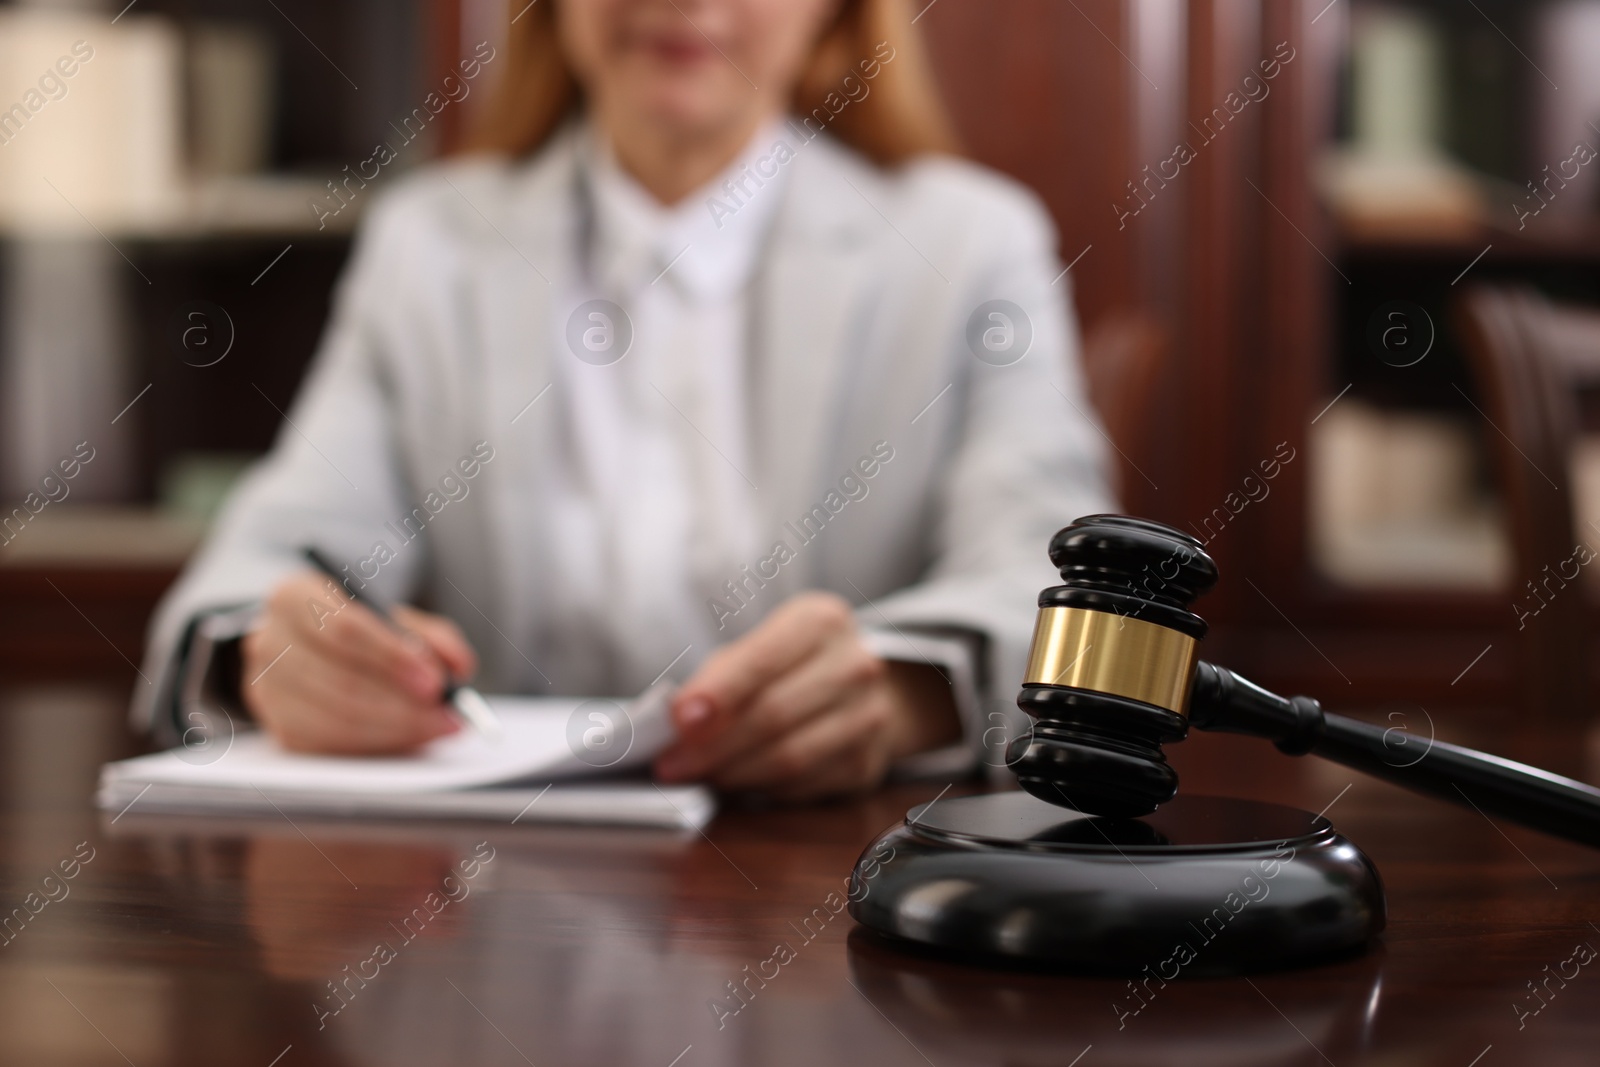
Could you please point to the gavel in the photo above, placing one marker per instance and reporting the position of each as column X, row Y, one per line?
column 1114, row 674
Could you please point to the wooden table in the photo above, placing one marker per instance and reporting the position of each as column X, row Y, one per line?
column 215, row 941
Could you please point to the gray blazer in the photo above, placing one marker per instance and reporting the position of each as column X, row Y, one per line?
column 866, row 317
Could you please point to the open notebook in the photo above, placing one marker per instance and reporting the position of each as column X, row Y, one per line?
column 561, row 759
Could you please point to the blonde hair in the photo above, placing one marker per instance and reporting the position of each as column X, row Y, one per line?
column 900, row 117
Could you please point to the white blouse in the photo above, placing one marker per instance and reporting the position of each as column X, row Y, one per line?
column 654, row 512
column 653, row 509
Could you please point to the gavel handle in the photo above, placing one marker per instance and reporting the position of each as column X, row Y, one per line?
column 1223, row 701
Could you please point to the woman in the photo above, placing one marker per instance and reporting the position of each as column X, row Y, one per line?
column 714, row 363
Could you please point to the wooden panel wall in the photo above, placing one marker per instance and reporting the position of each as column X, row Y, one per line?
column 1076, row 100
column 1220, row 269
column 1044, row 94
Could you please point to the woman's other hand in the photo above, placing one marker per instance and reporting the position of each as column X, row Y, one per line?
column 799, row 708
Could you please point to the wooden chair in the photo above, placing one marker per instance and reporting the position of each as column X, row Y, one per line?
column 1534, row 361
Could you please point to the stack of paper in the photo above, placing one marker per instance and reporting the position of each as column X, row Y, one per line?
column 532, row 773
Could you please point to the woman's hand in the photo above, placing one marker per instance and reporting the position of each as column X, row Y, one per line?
column 799, row 708
column 321, row 673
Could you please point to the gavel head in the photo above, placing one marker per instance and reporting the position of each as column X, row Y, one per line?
column 1108, row 676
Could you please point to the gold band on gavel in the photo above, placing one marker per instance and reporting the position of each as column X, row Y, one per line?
column 1109, row 653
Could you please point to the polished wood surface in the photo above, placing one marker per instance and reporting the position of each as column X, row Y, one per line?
column 211, row 941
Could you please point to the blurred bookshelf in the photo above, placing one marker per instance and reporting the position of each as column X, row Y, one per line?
column 154, row 213
column 1448, row 160
column 1443, row 119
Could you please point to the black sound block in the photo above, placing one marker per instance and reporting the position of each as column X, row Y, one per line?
column 1205, row 885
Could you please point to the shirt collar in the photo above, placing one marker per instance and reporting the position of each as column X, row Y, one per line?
column 707, row 244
